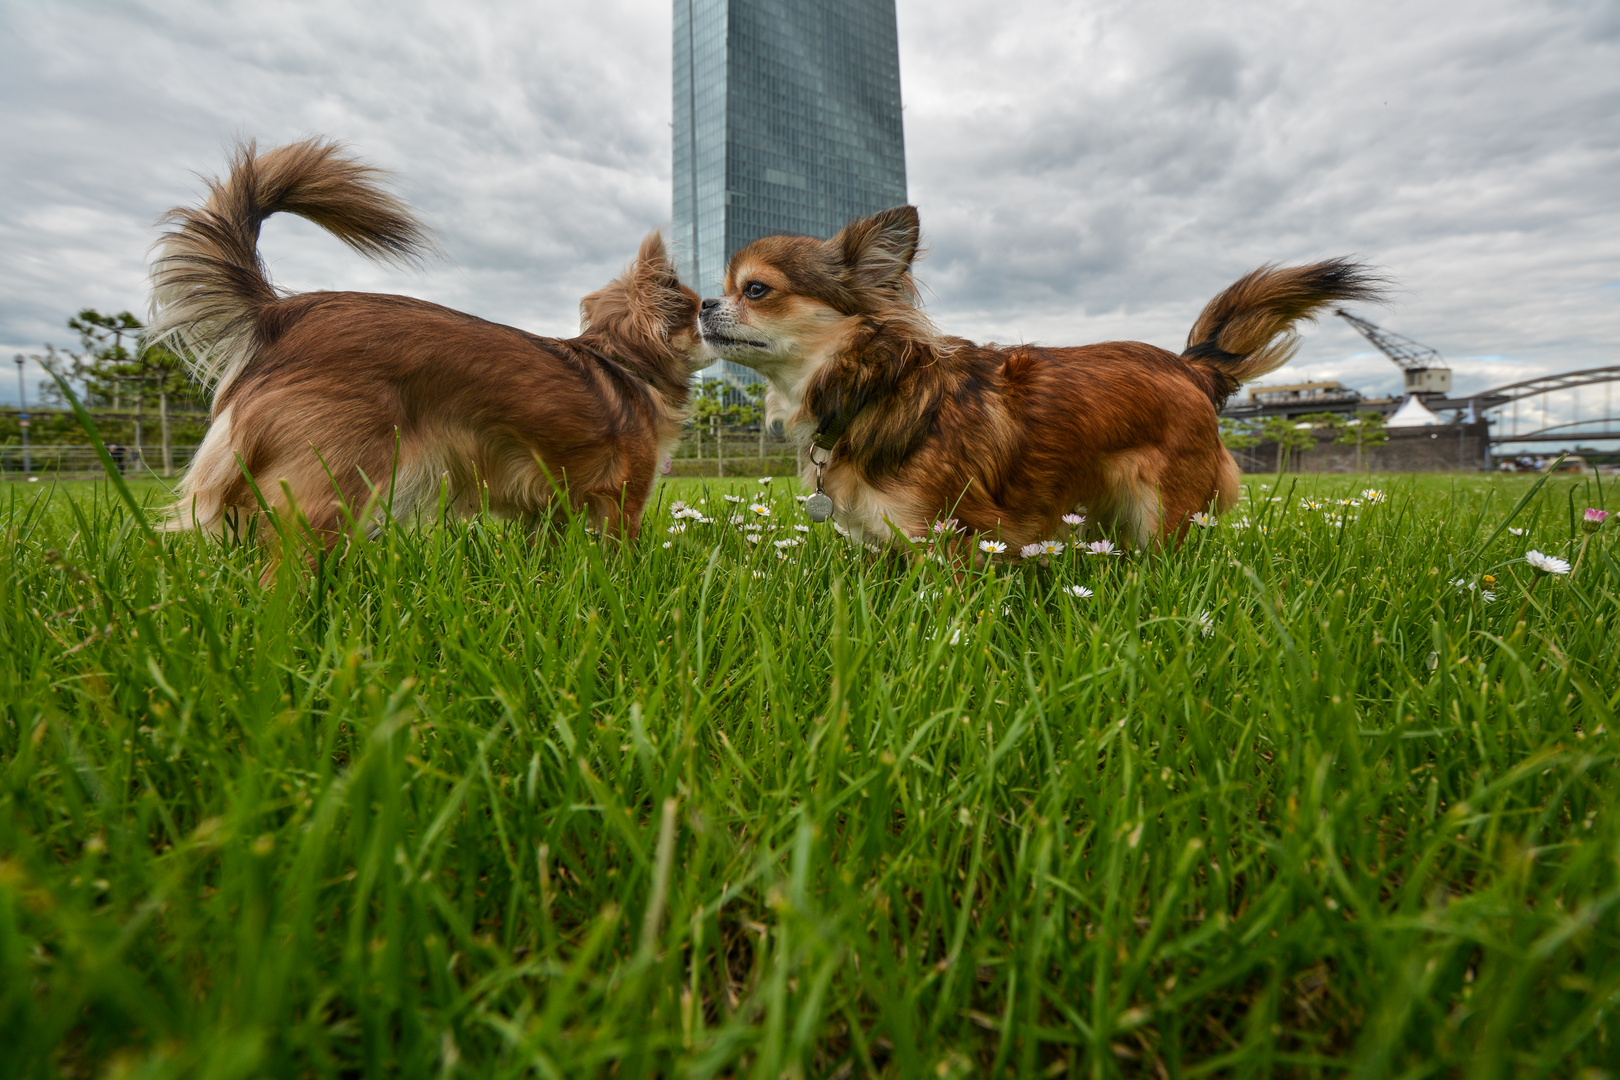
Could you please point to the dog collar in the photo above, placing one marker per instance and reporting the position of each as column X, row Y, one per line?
column 819, row 506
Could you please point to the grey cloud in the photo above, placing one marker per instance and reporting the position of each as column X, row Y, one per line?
column 1084, row 172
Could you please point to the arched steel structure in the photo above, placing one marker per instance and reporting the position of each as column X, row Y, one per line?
column 1500, row 398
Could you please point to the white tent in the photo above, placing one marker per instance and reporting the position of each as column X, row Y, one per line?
column 1412, row 413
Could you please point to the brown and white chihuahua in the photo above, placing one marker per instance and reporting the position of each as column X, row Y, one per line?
column 335, row 401
column 912, row 426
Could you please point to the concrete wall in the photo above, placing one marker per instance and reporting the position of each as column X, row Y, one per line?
column 1442, row 448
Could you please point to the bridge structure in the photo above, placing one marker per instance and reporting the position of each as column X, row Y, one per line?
column 1523, row 412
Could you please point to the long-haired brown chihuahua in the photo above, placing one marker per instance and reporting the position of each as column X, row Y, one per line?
column 344, row 400
column 908, row 426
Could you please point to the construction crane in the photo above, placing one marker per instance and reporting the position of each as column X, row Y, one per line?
column 1426, row 372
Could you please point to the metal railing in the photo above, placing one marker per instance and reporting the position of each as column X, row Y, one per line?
column 80, row 461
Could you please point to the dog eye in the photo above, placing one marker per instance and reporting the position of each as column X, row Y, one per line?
column 755, row 289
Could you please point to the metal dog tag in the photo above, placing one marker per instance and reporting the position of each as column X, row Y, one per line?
column 819, row 506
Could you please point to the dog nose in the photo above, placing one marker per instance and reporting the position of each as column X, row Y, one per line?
column 711, row 303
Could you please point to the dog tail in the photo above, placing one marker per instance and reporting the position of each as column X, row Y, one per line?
column 1248, row 330
column 209, row 287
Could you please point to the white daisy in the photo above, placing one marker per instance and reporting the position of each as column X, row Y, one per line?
column 956, row 636
column 1101, row 547
column 1373, row 495
column 678, row 527
column 751, row 537
column 1203, row 520
column 946, row 526
column 1547, row 564
column 677, row 507
column 1515, row 532
column 916, row 539
column 1079, row 592
column 792, row 541
column 1074, row 521
column 1206, row 624
column 840, row 530
column 764, row 479
column 734, row 498
column 669, row 543
column 737, row 519
column 801, row 528
column 759, row 509
column 992, row 547
column 1029, row 551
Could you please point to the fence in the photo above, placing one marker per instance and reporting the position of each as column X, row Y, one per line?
column 711, row 449
column 73, row 461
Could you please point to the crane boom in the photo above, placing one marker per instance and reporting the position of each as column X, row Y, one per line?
column 1409, row 355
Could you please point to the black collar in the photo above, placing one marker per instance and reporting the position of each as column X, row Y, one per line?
column 832, row 429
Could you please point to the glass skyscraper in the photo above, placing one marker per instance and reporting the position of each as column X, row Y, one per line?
column 787, row 120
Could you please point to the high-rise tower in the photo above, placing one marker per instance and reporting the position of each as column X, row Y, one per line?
column 787, row 120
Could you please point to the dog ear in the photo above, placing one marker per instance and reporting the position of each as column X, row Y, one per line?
column 877, row 251
column 647, row 301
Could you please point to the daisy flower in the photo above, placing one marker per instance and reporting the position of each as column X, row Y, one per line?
column 1547, row 564
column 759, row 573
column 1074, row 521
column 840, row 530
column 945, row 526
column 759, row 509
column 917, row 539
column 1079, row 592
column 802, row 498
column 1515, row 532
column 669, row 543
column 1593, row 521
column 956, row 636
column 751, row 537
column 734, row 498
column 1029, row 551
column 736, row 519
column 801, row 528
column 792, row 541
column 1203, row 520
column 1206, row 624
column 764, row 479
column 1101, row 547
column 677, row 507
column 1373, row 495
column 678, row 527
column 992, row 547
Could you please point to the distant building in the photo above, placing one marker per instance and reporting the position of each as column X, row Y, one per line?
column 1305, row 393
column 787, row 120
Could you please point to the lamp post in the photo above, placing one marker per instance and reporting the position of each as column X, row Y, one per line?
column 22, row 415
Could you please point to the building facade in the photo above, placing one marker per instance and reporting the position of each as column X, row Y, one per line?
column 787, row 120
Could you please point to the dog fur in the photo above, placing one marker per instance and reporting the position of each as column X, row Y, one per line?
column 332, row 402
column 1006, row 440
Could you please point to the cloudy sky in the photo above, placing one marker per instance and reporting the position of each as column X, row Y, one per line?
column 1084, row 171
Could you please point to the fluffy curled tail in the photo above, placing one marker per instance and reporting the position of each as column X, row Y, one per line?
column 209, row 287
column 1248, row 330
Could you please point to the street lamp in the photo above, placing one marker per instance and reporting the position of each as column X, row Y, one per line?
column 22, row 415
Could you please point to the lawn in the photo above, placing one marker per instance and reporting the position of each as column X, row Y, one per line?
column 1294, row 798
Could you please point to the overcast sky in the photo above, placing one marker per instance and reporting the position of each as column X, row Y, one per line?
column 1084, row 170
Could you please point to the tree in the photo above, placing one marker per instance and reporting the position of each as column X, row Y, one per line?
column 1367, row 429
column 1288, row 436
column 116, row 368
column 113, row 374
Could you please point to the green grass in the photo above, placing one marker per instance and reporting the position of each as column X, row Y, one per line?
column 452, row 804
